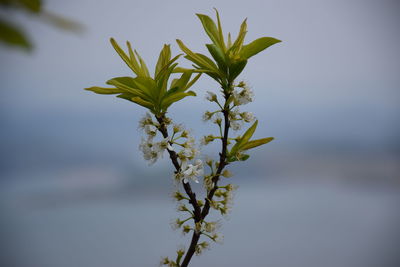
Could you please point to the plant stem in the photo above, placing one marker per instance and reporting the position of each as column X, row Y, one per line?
column 174, row 158
column 215, row 179
column 200, row 214
column 222, row 161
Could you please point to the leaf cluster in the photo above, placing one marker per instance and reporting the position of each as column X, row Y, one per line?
column 244, row 143
column 228, row 57
column 151, row 92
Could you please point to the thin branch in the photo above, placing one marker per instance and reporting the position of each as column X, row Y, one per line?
column 221, row 166
column 174, row 158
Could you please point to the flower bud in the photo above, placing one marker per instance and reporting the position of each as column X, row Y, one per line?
column 226, row 173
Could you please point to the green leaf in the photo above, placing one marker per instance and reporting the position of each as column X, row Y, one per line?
column 237, row 45
column 193, row 81
column 231, row 158
column 210, row 28
column 256, row 143
column 239, row 156
column 163, row 59
column 201, row 66
column 123, row 82
column 162, row 80
column 34, row 6
column 249, row 133
column 126, row 96
column 142, row 102
column 243, row 157
column 220, row 33
column 166, row 102
column 229, row 41
column 11, row 35
column 148, row 86
column 165, row 69
column 199, row 60
column 236, row 68
column 209, row 62
column 128, row 84
column 104, row 90
column 143, row 67
column 133, row 60
column 218, row 56
column 137, row 100
column 129, row 61
column 257, row 46
column 244, row 139
column 182, row 81
column 181, row 70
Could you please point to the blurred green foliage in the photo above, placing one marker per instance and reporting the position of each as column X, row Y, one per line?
column 14, row 35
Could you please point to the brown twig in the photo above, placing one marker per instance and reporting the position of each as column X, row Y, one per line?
column 199, row 214
column 215, row 179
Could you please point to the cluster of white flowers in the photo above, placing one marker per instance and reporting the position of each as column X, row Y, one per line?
column 247, row 116
column 189, row 150
column 236, row 126
column 211, row 227
column 244, row 95
column 151, row 149
column 186, row 155
column 192, row 171
column 216, row 116
column 236, row 118
column 225, row 193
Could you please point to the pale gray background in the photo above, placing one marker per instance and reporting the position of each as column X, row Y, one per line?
column 76, row 192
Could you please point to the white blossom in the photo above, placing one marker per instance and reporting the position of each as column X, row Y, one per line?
column 160, row 147
column 176, row 224
column 205, row 140
column 177, row 128
column 147, row 147
column 217, row 119
column 189, row 142
column 188, row 153
column 247, row 116
column 185, row 134
column 226, row 173
column 218, row 238
column 207, row 115
column 211, row 227
column 146, row 120
column 150, row 130
column 211, row 96
column 244, row 96
column 234, row 113
column 193, row 171
column 236, row 125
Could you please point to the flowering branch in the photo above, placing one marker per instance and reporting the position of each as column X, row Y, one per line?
column 174, row 158
column 215, row 178
column 157, row 93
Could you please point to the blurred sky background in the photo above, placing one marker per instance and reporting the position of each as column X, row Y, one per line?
column 75, row 191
